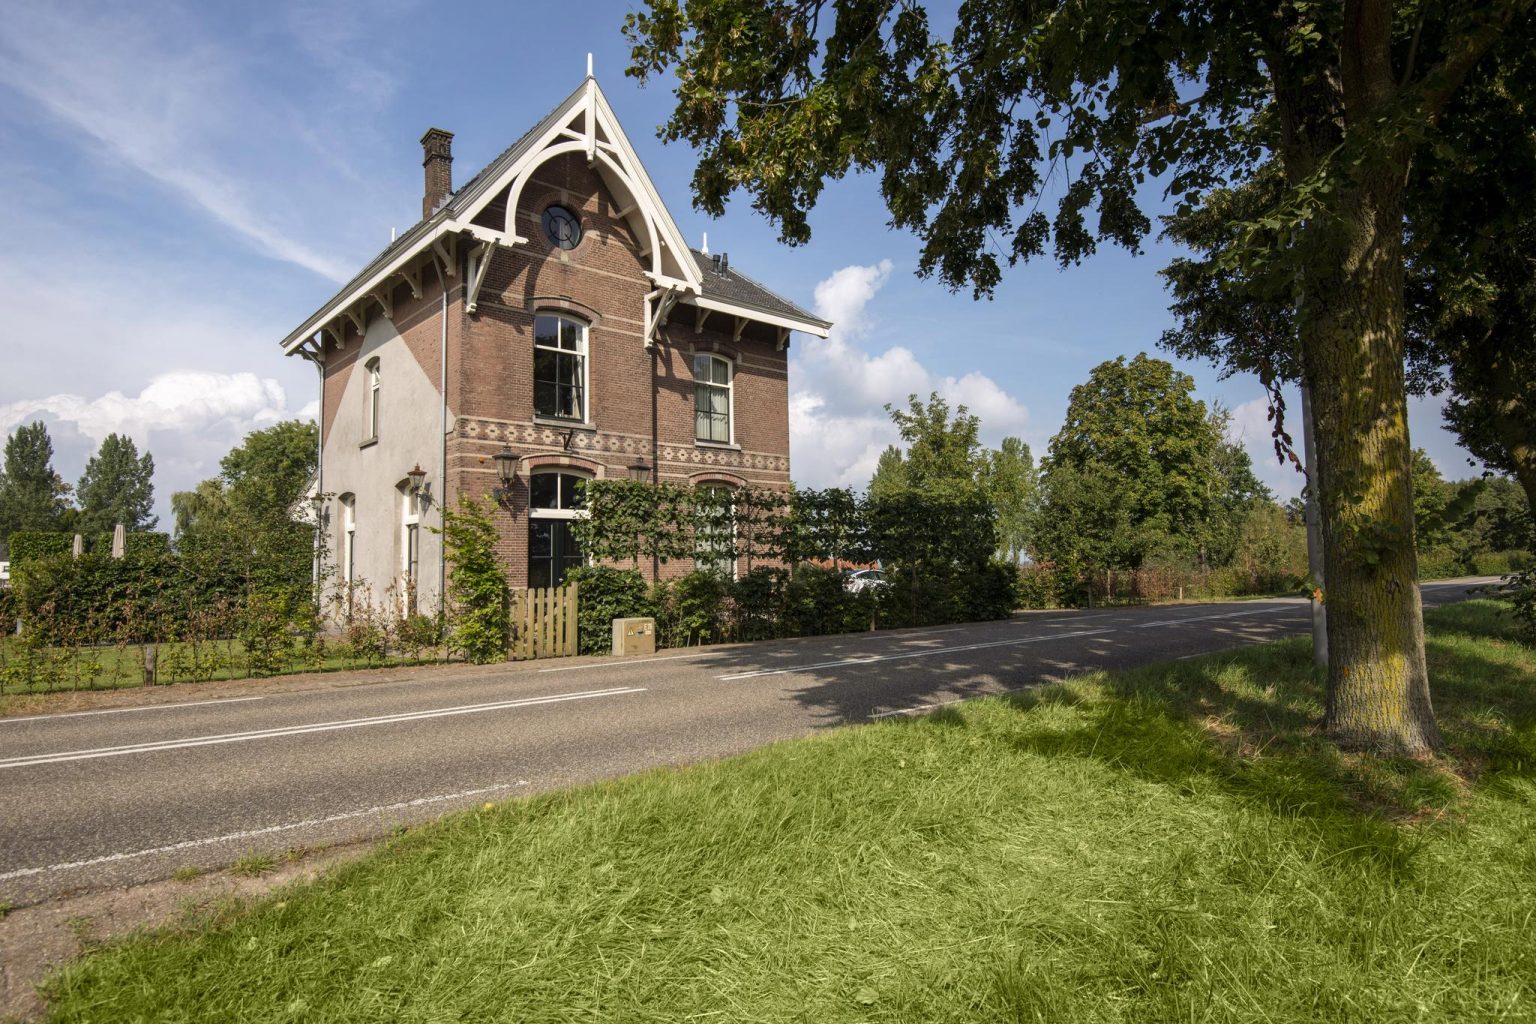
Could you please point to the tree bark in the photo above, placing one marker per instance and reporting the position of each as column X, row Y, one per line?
column 1350, row 326
column 1352, row 353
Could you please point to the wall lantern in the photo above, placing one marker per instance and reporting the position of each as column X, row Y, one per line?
column 640, row 470
column 418, row 478
column 506, row 470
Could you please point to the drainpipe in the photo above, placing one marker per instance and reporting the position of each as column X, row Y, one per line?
column 442, row 434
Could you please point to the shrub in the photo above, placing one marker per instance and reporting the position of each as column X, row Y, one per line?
column 758, row 599
column 477, row 584
column 690, row 610
column 1037, row 586
column 30, row 545
column 993, row 592
column 1521, row 590
column 604, row 594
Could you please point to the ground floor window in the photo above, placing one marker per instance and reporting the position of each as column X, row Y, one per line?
column 715, row 532
column 554, row 500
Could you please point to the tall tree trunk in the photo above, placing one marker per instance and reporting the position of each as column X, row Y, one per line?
column 1352, row 353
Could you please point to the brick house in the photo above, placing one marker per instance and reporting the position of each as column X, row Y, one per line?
column 546, row 318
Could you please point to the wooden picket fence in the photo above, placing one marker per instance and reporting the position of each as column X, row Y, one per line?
column 544, row 622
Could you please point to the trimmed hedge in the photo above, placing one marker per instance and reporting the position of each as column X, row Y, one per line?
column 31, row 545
column 147, row 597
column 605, row 594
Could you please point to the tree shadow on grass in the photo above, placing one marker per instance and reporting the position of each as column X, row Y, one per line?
column 1246, row 722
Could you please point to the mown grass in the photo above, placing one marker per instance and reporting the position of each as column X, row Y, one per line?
column 1169, row 844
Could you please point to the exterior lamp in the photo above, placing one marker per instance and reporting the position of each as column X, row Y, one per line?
column 417, row 476
column 639, row 470
column 506, row 470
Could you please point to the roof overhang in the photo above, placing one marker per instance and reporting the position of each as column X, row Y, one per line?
column 808, row 325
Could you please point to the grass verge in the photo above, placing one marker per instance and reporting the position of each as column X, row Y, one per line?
column 1168, row 844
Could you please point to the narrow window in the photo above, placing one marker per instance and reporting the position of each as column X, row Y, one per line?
column 371, row 411
column 348, row 547
column 410, row 548
column 559, row 368
column 715, row 533
column 554, row 499
column 712, row 398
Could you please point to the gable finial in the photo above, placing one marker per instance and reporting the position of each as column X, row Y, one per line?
column 589, row 65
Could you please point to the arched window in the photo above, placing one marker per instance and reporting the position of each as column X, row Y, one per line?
column 371, row 402
column 714, row 534
column 555, row 497
column 559, row 367
column 712, row 398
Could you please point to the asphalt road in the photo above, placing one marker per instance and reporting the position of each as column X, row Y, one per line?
column 103, row 798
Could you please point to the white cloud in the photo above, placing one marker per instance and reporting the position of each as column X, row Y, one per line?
column 838, row 425
column 187, row 419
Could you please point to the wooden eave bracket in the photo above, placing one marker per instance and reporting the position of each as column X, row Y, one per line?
column 668, row 299
column 358, row 314
column 783, row 338
column 479, row 262
column 385, row 297
column 413, row 278
column 740, row 325
column 698, row 323
column 446, row 260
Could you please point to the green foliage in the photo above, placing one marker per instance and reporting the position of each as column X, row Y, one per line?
column 32, row 496
column 247, row 515
column 1520, row 589
column 890, row 474
column 479, row 601
column 827, row 525
column 1012, row 484
column 943, row 456
column 117, row 487
column 606, row 593
column 31, row 545
column 635, row 521
column 691, row 610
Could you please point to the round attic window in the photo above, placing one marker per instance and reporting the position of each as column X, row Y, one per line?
column 562, row 227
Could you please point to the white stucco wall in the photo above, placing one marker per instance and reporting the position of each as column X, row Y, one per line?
column 410, row 434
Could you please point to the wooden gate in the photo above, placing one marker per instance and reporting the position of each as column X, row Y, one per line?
column 544, row 622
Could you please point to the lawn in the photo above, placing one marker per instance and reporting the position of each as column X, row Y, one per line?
column 25, row 670
column 1168, row 844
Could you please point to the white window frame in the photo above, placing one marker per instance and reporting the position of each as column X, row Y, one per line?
column 348, row 545
column 554, row 514
column 729, row 387
column 371, row 404
column 585, row 353
column 410, row 548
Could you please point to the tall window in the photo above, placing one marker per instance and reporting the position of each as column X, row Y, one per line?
column 348, row 546
column 712, row 398
column 715, row 533
column 559, row 367
column 371, row 410
column 410, row 548
column 554, row 499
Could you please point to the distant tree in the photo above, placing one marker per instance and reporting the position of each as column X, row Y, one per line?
column 117, row 487
column 944, row 456
column 1010, row 480
column 1431, row 500
column 32, row 495
column 890, row 474
column 1138, row 444
column 248, row 512
column 1239, row 495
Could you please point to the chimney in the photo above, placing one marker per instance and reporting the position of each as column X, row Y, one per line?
column 437, row 159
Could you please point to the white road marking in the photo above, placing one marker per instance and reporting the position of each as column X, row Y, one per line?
column 121, row 711
column 1224, row 615
column 192, row 844
column 296, row 730
column 632, row 662
column 909, row 654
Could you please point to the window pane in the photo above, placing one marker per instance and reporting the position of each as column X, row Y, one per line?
column 545, row 364
column 719, row 401
column 546, row 330
column 544, row 401
column 701, row 426
column 544, row 490
column 569, row 370
column 578, row 492
column 538, row 572
column 701, row 368
column 570, row 335
column 721, row 372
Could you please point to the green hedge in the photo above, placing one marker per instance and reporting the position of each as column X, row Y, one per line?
column 30, row 545
column 133, row 543
column 153, row 596
column 605, row 594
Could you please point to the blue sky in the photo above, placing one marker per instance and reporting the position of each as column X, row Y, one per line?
column 186, row 182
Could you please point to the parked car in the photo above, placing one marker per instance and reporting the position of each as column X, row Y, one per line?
column 864, row 579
